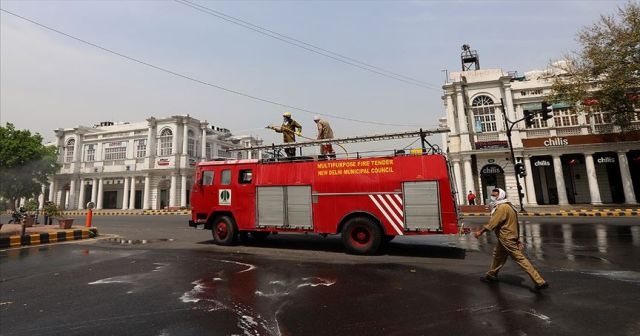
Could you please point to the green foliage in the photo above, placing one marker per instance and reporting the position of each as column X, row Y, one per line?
column 52, row 210
column 25, row 163
column 607, row 68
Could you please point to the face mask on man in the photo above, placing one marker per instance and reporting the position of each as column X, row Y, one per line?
column 493, row 198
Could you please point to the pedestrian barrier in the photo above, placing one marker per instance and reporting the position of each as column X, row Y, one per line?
column 47, row 237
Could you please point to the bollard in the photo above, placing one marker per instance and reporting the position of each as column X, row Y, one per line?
column 87, row 222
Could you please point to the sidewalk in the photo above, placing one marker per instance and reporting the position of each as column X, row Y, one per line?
column 10, row 234
column 560, row 211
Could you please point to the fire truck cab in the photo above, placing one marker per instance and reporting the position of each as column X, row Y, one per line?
column 368, row 201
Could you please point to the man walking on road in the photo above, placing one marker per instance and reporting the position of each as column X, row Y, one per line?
column 324, row 132
column 289, row 129
column 504, row 222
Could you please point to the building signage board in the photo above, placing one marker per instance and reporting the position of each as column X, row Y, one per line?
column 560, row 141
column 491, row 144
column 606, row 159
column 542, row 163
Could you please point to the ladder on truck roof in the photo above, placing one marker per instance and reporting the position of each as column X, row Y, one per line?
column 366, row 138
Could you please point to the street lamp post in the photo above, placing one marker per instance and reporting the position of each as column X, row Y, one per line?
column 510, row 125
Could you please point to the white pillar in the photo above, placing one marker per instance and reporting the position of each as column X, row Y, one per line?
column 94, row 190
column 458, row 176
column 627, row 183
column 594, row 190
column 462, row 115
column 52, row 191
column 468, row 177
column 451, row 120
column 562, row 190
column 147, row 189
column 528, row 180
column 185, row 137
column 183, row 184
column 172, row 191
column 43, row 188
column 132, row 195
column 203, row 144
column 72, row 194
column 81, row 197
column 125, row 194
column 100, row 192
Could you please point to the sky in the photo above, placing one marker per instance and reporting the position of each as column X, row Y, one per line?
column 49, row 80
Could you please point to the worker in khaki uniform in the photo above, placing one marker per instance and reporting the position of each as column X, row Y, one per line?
column 324, row 132
column 504, row 222
column 289, row 129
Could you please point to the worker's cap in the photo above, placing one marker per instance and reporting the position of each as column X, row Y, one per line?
column 316, row 118
column 286, row 114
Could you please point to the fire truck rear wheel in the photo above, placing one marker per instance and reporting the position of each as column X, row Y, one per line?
column 361, row 235
column 224, row 231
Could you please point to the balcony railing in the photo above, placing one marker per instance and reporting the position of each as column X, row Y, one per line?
column 538, row 133
column 573, row 130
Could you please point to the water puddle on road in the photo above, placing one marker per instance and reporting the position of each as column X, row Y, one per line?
column 124, row 241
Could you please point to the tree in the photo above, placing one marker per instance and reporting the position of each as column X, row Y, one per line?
column 25, row 163
column 606, row 71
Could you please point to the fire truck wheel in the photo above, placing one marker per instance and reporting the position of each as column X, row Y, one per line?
column 224, row 231
column 361, row 235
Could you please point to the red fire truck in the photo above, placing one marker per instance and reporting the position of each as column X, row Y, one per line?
column 367, row 200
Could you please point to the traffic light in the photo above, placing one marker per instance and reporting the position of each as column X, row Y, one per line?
column 520, row 170
column 547, row 111
column 528, row 118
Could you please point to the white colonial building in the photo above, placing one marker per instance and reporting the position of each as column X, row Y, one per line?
column 142, row 165
column 571, row 158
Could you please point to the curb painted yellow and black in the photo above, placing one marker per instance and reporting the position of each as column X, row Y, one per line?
column 129, row 213
column 48, row 237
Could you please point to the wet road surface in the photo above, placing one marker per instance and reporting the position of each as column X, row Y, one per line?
column 307, row 285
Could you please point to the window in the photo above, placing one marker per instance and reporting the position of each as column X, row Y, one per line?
column 538, row 122
column 484, row 113
column 191, row 144
column 141, row 148
column 225, row 179
column 166, row 142
column 115, row 150
column 68, row 150
column 207, row 177
column 245, row 176
column 90, row 153
column 564, row 117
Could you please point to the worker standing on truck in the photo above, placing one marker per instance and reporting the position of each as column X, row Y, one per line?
column 289, row 129
column 324, row 132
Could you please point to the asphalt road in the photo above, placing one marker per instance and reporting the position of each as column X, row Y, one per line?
column 155, row 276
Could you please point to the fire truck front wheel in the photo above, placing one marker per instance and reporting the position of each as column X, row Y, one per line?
column 361, row 235
column 224, row 231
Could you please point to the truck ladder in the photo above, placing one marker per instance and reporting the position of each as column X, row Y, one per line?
column 376, row 137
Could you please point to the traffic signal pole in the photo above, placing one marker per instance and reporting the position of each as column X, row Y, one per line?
column 510, row 125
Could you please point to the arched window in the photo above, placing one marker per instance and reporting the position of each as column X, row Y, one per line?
column 68, row 150
column 166, row 142
column 484, row 114
column 191, row 143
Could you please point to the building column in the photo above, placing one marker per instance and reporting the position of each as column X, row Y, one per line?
column 562, row 190
column 94, row 191
column 451, row 120
column 463, row 126
column 100, row 192
column 183, row 197
column 528, row 182
column 172, row 190
column 594, row 190
column 81, row 197
column 627, row 183
column 458, row 176
column 125, row 194
column 468, row 177
column 185, row 136
column 132, row 193
column 52, row 191
column 72, row 193
column 146, row 200
column 43, row 188
column 203, row 144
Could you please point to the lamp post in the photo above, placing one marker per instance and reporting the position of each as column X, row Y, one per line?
column 510, row 125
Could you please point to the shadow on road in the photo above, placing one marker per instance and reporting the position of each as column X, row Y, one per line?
column 334, row 244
